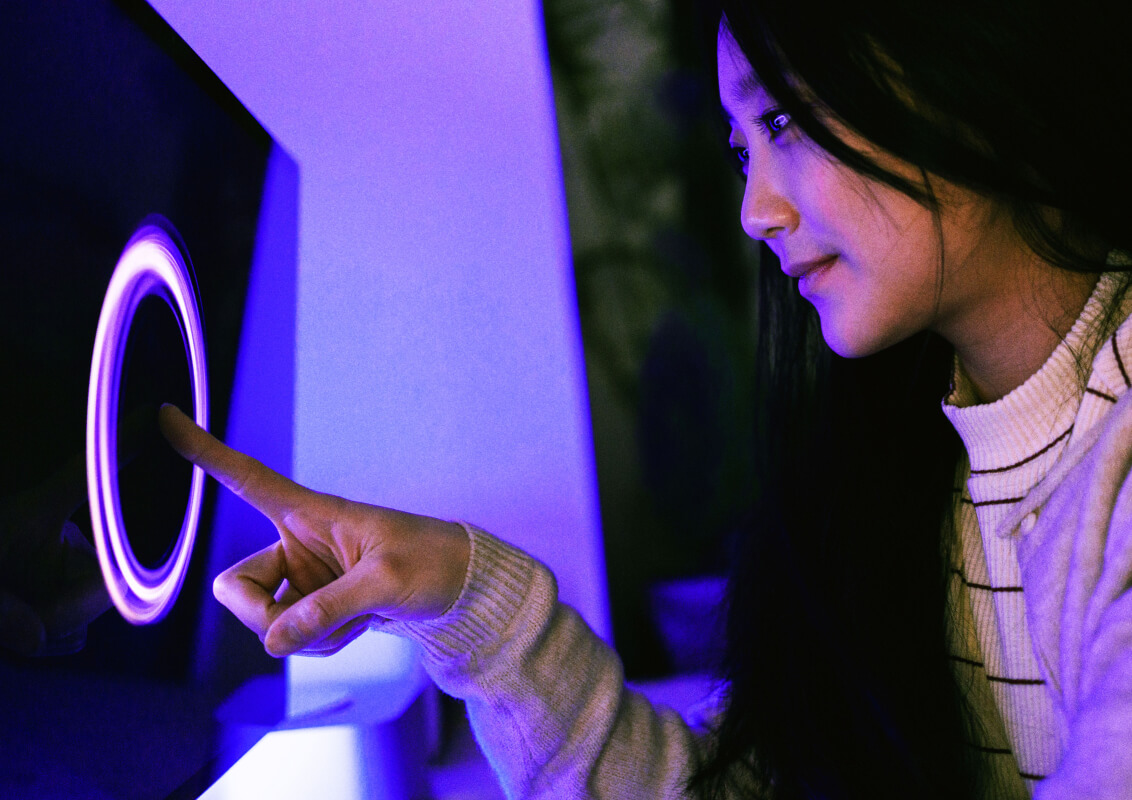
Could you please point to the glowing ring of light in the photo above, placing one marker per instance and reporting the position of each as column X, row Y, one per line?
column 151, row 264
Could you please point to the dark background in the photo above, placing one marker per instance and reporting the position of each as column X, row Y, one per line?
column 666, row 284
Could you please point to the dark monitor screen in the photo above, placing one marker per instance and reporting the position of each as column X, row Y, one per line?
column 110, row 124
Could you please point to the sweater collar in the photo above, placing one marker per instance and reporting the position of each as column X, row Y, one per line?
column 1040, row 409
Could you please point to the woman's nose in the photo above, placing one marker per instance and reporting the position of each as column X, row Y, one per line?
column 766, row 213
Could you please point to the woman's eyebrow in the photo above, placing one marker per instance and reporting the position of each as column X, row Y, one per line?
column 749, row 88
column 750, row 85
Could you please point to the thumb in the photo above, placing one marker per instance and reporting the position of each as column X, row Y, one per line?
column 321, row 613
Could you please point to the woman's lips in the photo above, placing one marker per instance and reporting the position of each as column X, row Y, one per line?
column 811, row 274
column 796, row 269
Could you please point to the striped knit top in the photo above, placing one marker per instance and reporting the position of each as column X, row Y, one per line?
column 1011, row 445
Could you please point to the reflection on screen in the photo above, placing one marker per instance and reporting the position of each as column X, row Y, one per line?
column 109, row 118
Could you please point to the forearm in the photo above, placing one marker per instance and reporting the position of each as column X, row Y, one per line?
column 545, row 695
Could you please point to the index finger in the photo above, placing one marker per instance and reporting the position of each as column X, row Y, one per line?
column 265, row 489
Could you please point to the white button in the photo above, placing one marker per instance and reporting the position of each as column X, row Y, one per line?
column 1029, row 521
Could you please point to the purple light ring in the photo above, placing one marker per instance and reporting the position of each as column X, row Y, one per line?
column 134, row 287
column 147, row 583
column 102, row 399
column 160, row 271
column 150, row 264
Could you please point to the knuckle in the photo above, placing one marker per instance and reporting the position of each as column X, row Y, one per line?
column 393, row 574
column 222, row 587
column 242, row 479
column 316, row 615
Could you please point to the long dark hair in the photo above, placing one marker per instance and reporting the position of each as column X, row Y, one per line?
column 839, row 680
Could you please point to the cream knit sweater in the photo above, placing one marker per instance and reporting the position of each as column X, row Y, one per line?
column 1011, row 446
column 1045, row 573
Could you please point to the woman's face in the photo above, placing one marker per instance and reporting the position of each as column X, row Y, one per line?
column 866, row 256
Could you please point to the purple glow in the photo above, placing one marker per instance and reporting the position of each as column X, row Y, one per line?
column 151, row 264
column 437, row 321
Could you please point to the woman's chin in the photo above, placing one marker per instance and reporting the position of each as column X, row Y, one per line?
column 853, row 342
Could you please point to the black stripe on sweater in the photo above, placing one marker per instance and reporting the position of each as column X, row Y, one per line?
column 1002, row 502
column 1016, row 681
column 982, row 586
column 1100, row 394
column 1120, row 363
column 1025, row 460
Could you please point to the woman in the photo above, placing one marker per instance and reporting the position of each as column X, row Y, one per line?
column 929, row 604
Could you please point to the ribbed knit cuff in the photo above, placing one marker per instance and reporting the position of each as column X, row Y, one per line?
column 498, row 582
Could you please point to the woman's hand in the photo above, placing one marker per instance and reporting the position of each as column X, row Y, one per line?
column 338, row 564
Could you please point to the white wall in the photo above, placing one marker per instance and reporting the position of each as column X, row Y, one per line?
column 439, row 357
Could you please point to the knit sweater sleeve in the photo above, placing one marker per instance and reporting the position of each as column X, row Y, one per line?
column 1093, row 679
column 1076, row 561
column 545, row 696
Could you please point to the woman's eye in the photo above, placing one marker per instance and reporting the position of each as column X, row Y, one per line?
column 742, row 154
column 774, row 122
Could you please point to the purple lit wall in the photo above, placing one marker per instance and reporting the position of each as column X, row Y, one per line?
column 438, row 362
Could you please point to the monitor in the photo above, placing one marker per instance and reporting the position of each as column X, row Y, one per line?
column 115, row 136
